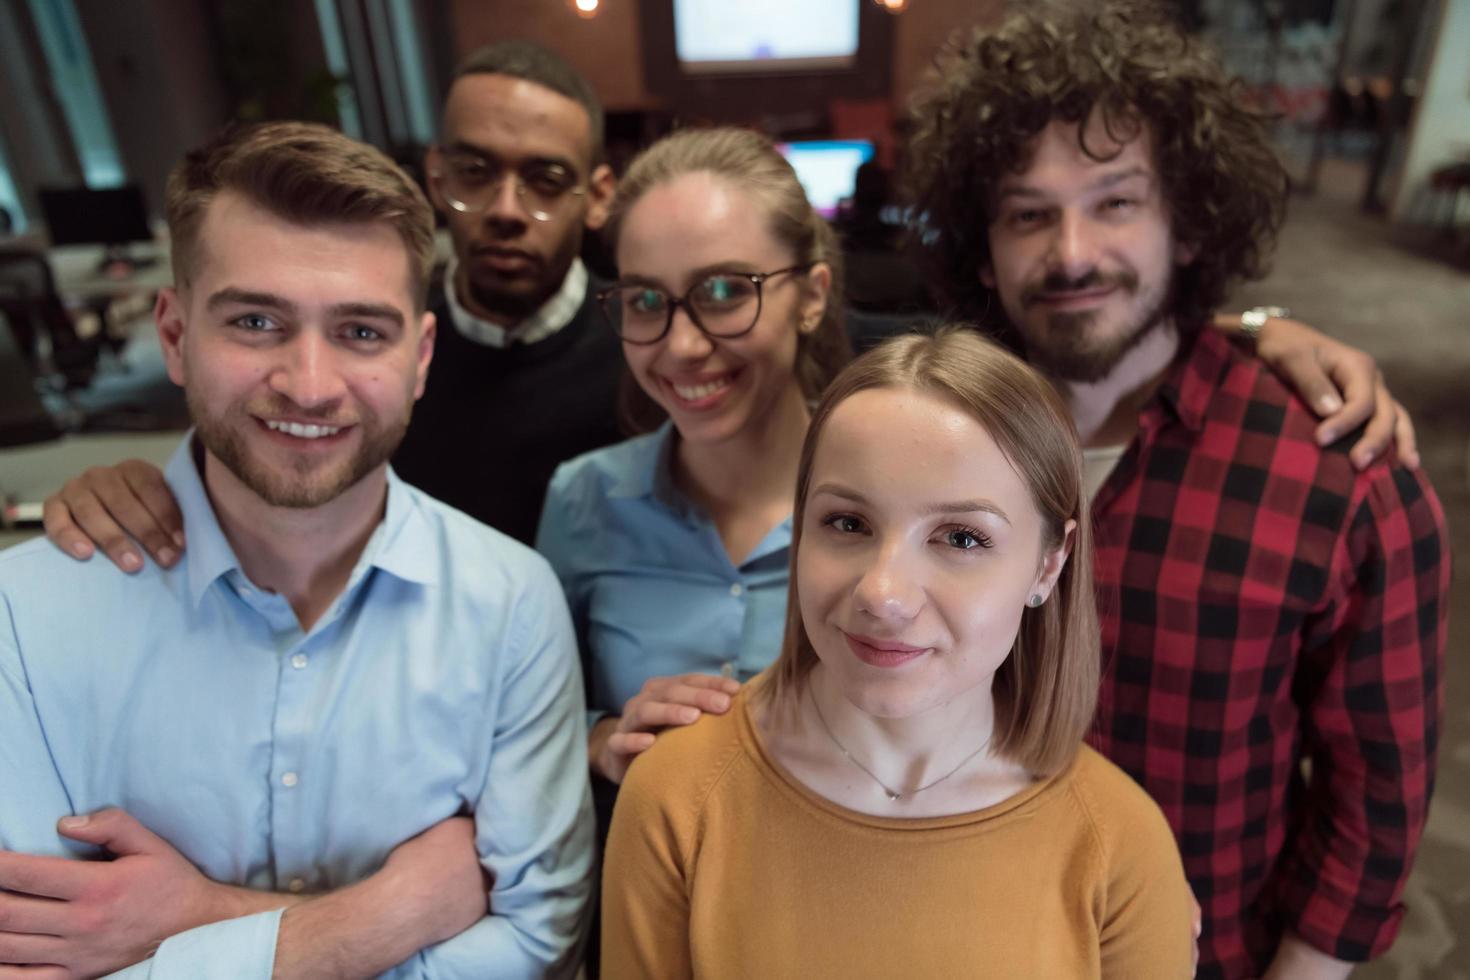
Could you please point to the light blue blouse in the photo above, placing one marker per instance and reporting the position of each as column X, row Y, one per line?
column 651, row 588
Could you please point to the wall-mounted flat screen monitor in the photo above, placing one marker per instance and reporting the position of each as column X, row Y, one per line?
column 92, row 216
column 756, row 36
column 827, row 169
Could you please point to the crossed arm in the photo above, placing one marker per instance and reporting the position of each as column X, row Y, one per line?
column 61, row 918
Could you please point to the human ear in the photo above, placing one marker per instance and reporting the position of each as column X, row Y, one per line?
column 169, row 315
column 987, row 275
column 433, row 163
column 1185, row 252
column 818, row 287
column 600, row 188
column 425, row 353
column 1053, row 561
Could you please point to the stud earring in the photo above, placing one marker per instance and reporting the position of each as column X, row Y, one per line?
column 1035, row 600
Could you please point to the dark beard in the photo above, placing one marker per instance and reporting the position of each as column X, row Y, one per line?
column 224, row 441
column 1064, row 351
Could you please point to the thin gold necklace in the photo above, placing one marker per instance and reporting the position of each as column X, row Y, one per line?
column 891, row 793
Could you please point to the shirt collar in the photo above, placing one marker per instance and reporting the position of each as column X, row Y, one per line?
column 650, row 473
column 558, row 311
column 1195, row 376
column 396, row 546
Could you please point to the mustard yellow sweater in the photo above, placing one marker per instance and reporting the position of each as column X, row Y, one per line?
column 721, row 865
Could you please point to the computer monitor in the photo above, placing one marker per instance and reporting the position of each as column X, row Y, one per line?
column 827, row 169
column 755, row 36
column 90, row 216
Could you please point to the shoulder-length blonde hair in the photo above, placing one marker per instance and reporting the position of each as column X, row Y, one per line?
column 1046, row 690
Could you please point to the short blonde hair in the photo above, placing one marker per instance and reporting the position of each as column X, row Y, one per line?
column 751, row 161
column 1046, row 691
column 306, row 173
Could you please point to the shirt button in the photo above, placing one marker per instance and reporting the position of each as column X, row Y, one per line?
column 289, row 780
column 296, row 886
column 298, row 661
column 737, row 590
column 727, row 669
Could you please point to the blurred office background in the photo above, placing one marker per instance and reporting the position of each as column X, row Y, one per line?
column 1373, row 98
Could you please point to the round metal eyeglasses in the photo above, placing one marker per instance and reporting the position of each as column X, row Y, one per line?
column 469, row 183
column 723, row 305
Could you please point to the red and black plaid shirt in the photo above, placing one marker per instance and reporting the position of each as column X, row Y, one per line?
column 1263, row 604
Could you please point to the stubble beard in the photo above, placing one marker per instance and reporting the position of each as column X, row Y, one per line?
column 308, row 483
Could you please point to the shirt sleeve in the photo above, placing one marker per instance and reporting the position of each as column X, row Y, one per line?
column 235, row 949
column 1370, row 682
column 1146, row 916
column 556, row 540
column 239, row 949
column 533, row 821
column 28, row 814
column 645, row 898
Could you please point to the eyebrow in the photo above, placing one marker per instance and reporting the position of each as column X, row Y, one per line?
column 978, row 505
column 233, row 296
column 460, row 146
column 703, row 272
column 1106, row 180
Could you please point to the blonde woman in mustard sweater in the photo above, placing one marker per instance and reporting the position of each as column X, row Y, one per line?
column 905, row 791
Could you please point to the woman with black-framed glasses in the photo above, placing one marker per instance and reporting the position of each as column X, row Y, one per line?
column 673, row 546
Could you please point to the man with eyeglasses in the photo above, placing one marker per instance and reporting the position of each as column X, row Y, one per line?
column 525, row 375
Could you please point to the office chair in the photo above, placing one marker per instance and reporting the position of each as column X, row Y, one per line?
column 42, row 328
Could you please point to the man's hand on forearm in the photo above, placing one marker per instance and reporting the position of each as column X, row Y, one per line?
column 430, row 889
column 93, row 917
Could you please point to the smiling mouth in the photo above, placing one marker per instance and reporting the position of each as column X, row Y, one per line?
column 303, row 430
column 882, row 653
column 691, row 393
column 1079, row 298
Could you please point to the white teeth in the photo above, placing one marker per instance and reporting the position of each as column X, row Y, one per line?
column 697, row 392
column 304, row 431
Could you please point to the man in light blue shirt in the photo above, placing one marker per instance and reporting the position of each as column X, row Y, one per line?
column 289, row 719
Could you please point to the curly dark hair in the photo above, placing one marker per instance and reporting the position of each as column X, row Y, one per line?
column 996, row 88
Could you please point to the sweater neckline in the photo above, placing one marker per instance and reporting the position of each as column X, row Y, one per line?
column 1015, row 807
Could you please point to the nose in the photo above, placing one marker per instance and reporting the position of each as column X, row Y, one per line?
column 308, row 374
column 890, row 588
column 506, row 206
column 1074, row 245
column 685, row 340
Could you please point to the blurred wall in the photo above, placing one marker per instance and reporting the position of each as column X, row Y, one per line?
column 1440, row 130
column 608, row 48
column 154, row 64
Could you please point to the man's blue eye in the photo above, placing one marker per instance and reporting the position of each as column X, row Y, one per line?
column 253, row 321
column 360, row 332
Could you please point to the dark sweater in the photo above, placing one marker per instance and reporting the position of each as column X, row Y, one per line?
column 494, row 423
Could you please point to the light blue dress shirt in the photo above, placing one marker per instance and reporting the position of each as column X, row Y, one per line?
column 443, row 680
column 652, row 590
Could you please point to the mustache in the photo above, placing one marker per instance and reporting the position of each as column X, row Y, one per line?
column 1059, row 282
column 285, row 408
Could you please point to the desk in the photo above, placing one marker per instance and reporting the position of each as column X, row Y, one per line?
column 78, row 279
column 29, row 474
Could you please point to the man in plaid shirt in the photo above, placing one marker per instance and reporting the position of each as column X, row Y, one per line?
column 1273, row 615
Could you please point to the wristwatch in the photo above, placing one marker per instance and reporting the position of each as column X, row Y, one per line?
column 1253, row 319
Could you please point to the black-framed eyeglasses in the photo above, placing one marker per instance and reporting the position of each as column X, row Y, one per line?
column 722, row 304
column 469, row 182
